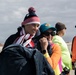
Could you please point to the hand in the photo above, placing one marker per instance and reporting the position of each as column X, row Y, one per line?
column 66, row 70
column 73, row 67
column 44, row 43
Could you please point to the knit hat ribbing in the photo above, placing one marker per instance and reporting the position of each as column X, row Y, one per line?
column 31, row 17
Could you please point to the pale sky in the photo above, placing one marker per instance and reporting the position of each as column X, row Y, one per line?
column 12, row 13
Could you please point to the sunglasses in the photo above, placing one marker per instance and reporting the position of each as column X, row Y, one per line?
column 49, row 33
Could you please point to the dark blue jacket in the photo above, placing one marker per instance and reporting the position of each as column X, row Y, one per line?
column 17, row 60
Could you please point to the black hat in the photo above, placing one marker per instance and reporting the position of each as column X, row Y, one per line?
column 60, row 26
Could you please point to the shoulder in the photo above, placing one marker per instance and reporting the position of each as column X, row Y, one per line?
column 11, row 37
column 56, row 37
column 10, row 40
column 56, row 47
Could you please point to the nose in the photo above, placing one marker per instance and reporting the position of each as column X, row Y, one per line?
column 36, row 27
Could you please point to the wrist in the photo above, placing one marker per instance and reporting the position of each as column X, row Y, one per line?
column 46, row 55
column 44, row 51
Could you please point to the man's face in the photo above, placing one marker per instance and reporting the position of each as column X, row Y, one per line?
column 31, row 29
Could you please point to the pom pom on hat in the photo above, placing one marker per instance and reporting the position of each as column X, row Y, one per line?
column 31, row 17
column 31, row 9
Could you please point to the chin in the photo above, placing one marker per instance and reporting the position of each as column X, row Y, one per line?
column 33, row 34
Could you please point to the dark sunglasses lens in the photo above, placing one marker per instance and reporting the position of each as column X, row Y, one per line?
column 49, row 33
column 52, row 33
column 46, row 33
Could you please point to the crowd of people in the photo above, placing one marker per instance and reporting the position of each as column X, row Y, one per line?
column 45, row 38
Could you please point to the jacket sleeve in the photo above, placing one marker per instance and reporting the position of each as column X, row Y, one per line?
column 54, row 58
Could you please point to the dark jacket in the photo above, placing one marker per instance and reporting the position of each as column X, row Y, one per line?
column 11, row 38
column 17, row 60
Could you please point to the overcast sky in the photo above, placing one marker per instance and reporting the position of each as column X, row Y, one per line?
column 12, row 13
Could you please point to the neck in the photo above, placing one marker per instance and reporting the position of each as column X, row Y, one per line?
column 60, row 34
column 50, row 41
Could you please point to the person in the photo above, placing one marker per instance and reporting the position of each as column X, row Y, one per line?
column 51, row 51
column 66, row 59
column 26, row 31
column 73, row 53
column 19, row 57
